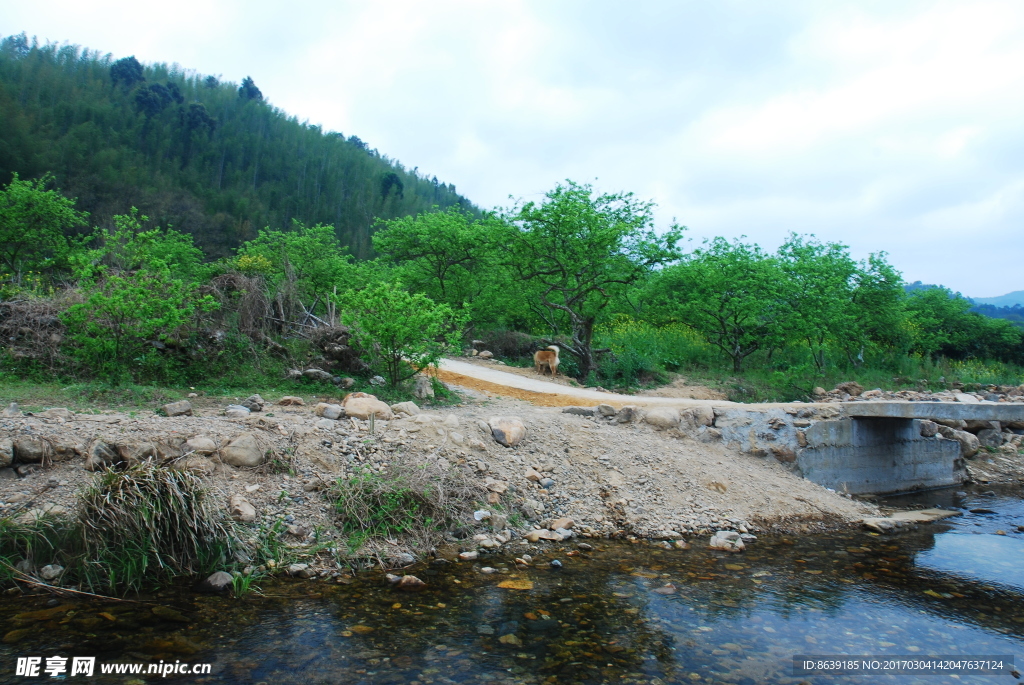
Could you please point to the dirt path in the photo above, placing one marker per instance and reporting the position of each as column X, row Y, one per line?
column 545, row 393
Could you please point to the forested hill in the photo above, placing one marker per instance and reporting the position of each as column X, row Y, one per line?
column 212, row 159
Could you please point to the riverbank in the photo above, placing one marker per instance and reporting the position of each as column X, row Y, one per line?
column 588, row 476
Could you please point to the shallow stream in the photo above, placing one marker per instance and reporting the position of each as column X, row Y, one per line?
column 608, row 616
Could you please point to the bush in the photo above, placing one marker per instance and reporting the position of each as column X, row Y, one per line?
column 150, row 523
column 413, row 504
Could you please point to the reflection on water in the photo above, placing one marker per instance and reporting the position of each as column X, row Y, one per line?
column 607, row 616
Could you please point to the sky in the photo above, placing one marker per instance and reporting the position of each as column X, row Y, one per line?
column 887, row 126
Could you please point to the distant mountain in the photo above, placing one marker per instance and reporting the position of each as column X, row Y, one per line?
column 1007, row 300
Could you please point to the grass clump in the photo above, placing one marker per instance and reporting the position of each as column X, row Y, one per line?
column 149, row 523
column 412, row 505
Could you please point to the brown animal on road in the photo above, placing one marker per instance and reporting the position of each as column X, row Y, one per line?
column 547, row 358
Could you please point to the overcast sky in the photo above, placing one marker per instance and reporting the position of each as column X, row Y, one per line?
column 895, row 126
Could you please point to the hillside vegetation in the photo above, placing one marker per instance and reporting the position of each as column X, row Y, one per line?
column 163, row 228
column 213, row 160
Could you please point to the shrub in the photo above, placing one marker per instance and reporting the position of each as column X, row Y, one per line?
column 150, row 523
column 414, row 504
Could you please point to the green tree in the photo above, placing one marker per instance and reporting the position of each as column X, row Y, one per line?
column 33, row 222
column 576, row 251
column 943, row 324
column 821, row 278
column 307, row 259
column 398, row 332
column 129, row 246
column 249, row 91
column 127, row 71
column 733, row 293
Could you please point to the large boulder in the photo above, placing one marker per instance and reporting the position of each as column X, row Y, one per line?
column 727, row 540
column 6, row 453
column 32, row 450
column 508, row 431
column 990, row 437
column 181, row 408
column 201, row 444
column 243, row 450
column 851, row 388
column 360, row 405
column 315, row 374
column 99, row 455
column 408, row 408
column 329, row 411
column 969, row 444
column 663, row 417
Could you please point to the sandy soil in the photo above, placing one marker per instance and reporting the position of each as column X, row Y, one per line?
column 610, row 478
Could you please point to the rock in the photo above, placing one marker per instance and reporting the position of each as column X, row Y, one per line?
column 871, row 394
column 694, row 418
column 535, row 535
column 566, row 523
column 315, row 374
column 486, row 354
column 556, row 564
column 6, row 452
column 507, row 431
column 241, row 510
column 360, row 405
column 329, row 411
column 181, row 408
column 969, row 443
column 663, row 417
column 57, row 413
column 819, row 391
column 681, row 544
column 26, row 470
column 50, row 571
column 955, row 424
column 424, row 388
column 667, row 589
column 481, row 514
column 410, row 584
column 326, row 424
column 254, row 403
column 929, row 429
column 99, row 455
column 450, row 421
column 532, row 475
column 851, row 388
column 510, row 639
column 32, row 450
column 300, row 571
column 196, row 464
column 407, row 408
column 727, row 540
column 498, row 486
column 200, row 444
column 580, row 411
column 243, row 450
column 965, row 398
column 547, row 483
column 236, row 411
column 498, row 522
column 403, row 559
column 628, row 414
column 606, row 410
column 291, row 401
column 469, row 556
column 975, row 425
column 709, row 434
column 12, row 411
column 216, row 582
column 990, row 437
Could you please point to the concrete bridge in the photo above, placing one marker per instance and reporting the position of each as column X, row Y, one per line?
column 868, row 447
column 858, row 447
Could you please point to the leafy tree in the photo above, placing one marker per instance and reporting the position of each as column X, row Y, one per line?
column 310, row 257
column 400, row 333
column 577, row 251
column 152, row 99
column 821, row 278
column 879, row 310
column 128, row 246
column 732, row 292
column 943, row 324
column 127, row 71
column 249, row 91
column 33, row 221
